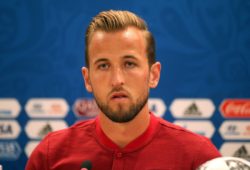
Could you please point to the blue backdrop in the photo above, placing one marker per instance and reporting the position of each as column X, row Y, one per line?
column 204, row 48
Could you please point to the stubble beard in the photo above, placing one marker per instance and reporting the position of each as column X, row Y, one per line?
column 123, row 114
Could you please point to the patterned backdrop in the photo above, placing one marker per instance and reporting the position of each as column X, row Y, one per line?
column 204, row 48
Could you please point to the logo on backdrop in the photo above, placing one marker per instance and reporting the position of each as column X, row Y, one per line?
column 47, row 108
column 235, row 130
column 236, row 149
column 9, row 150
column 85, row 107
column 192, row 108
column 203, row 127
column 9, row 129
column 235, row 108
column 157, row 106
column 37, row 129
column 9, row 108
column 242, row 152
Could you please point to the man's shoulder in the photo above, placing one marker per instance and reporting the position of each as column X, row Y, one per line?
column 175, row 130
column 85, row 126
column 195, row 147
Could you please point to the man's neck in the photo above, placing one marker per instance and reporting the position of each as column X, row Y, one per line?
column 124, row 133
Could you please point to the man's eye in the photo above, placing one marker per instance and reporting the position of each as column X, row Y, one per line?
column 103, row 66
column 130, row 64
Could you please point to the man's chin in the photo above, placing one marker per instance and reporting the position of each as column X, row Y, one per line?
column 120, row 117
column 120, row 120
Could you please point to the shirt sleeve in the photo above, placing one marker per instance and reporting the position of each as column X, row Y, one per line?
column 39, row 157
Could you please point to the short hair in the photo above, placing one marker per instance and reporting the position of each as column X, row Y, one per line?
column 115, row 20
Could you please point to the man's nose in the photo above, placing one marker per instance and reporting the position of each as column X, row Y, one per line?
column 117, row 77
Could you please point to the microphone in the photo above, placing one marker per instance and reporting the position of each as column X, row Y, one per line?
column 86, row 165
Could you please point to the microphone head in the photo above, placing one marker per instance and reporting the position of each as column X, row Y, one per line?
column 87, row 165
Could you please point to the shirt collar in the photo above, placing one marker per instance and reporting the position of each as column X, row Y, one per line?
column 137, row 143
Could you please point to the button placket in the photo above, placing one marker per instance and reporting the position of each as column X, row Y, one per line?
column 118, row 161
column 119, row 155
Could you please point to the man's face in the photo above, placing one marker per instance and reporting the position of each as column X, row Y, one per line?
column 119, row 75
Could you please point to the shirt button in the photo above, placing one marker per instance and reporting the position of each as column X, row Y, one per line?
column 119, row 155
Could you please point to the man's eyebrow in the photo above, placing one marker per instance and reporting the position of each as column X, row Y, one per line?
column 130, row 56
column 106, row 59
column 100, row 60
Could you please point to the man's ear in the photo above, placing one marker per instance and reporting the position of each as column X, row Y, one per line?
column 85, row 74
column 155, row 72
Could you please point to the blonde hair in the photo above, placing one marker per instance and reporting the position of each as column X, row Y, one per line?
column 111, row 21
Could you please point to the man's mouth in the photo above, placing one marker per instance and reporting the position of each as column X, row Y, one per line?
column 118, row 95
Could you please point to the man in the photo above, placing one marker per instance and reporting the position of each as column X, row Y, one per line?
column 120, row 70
